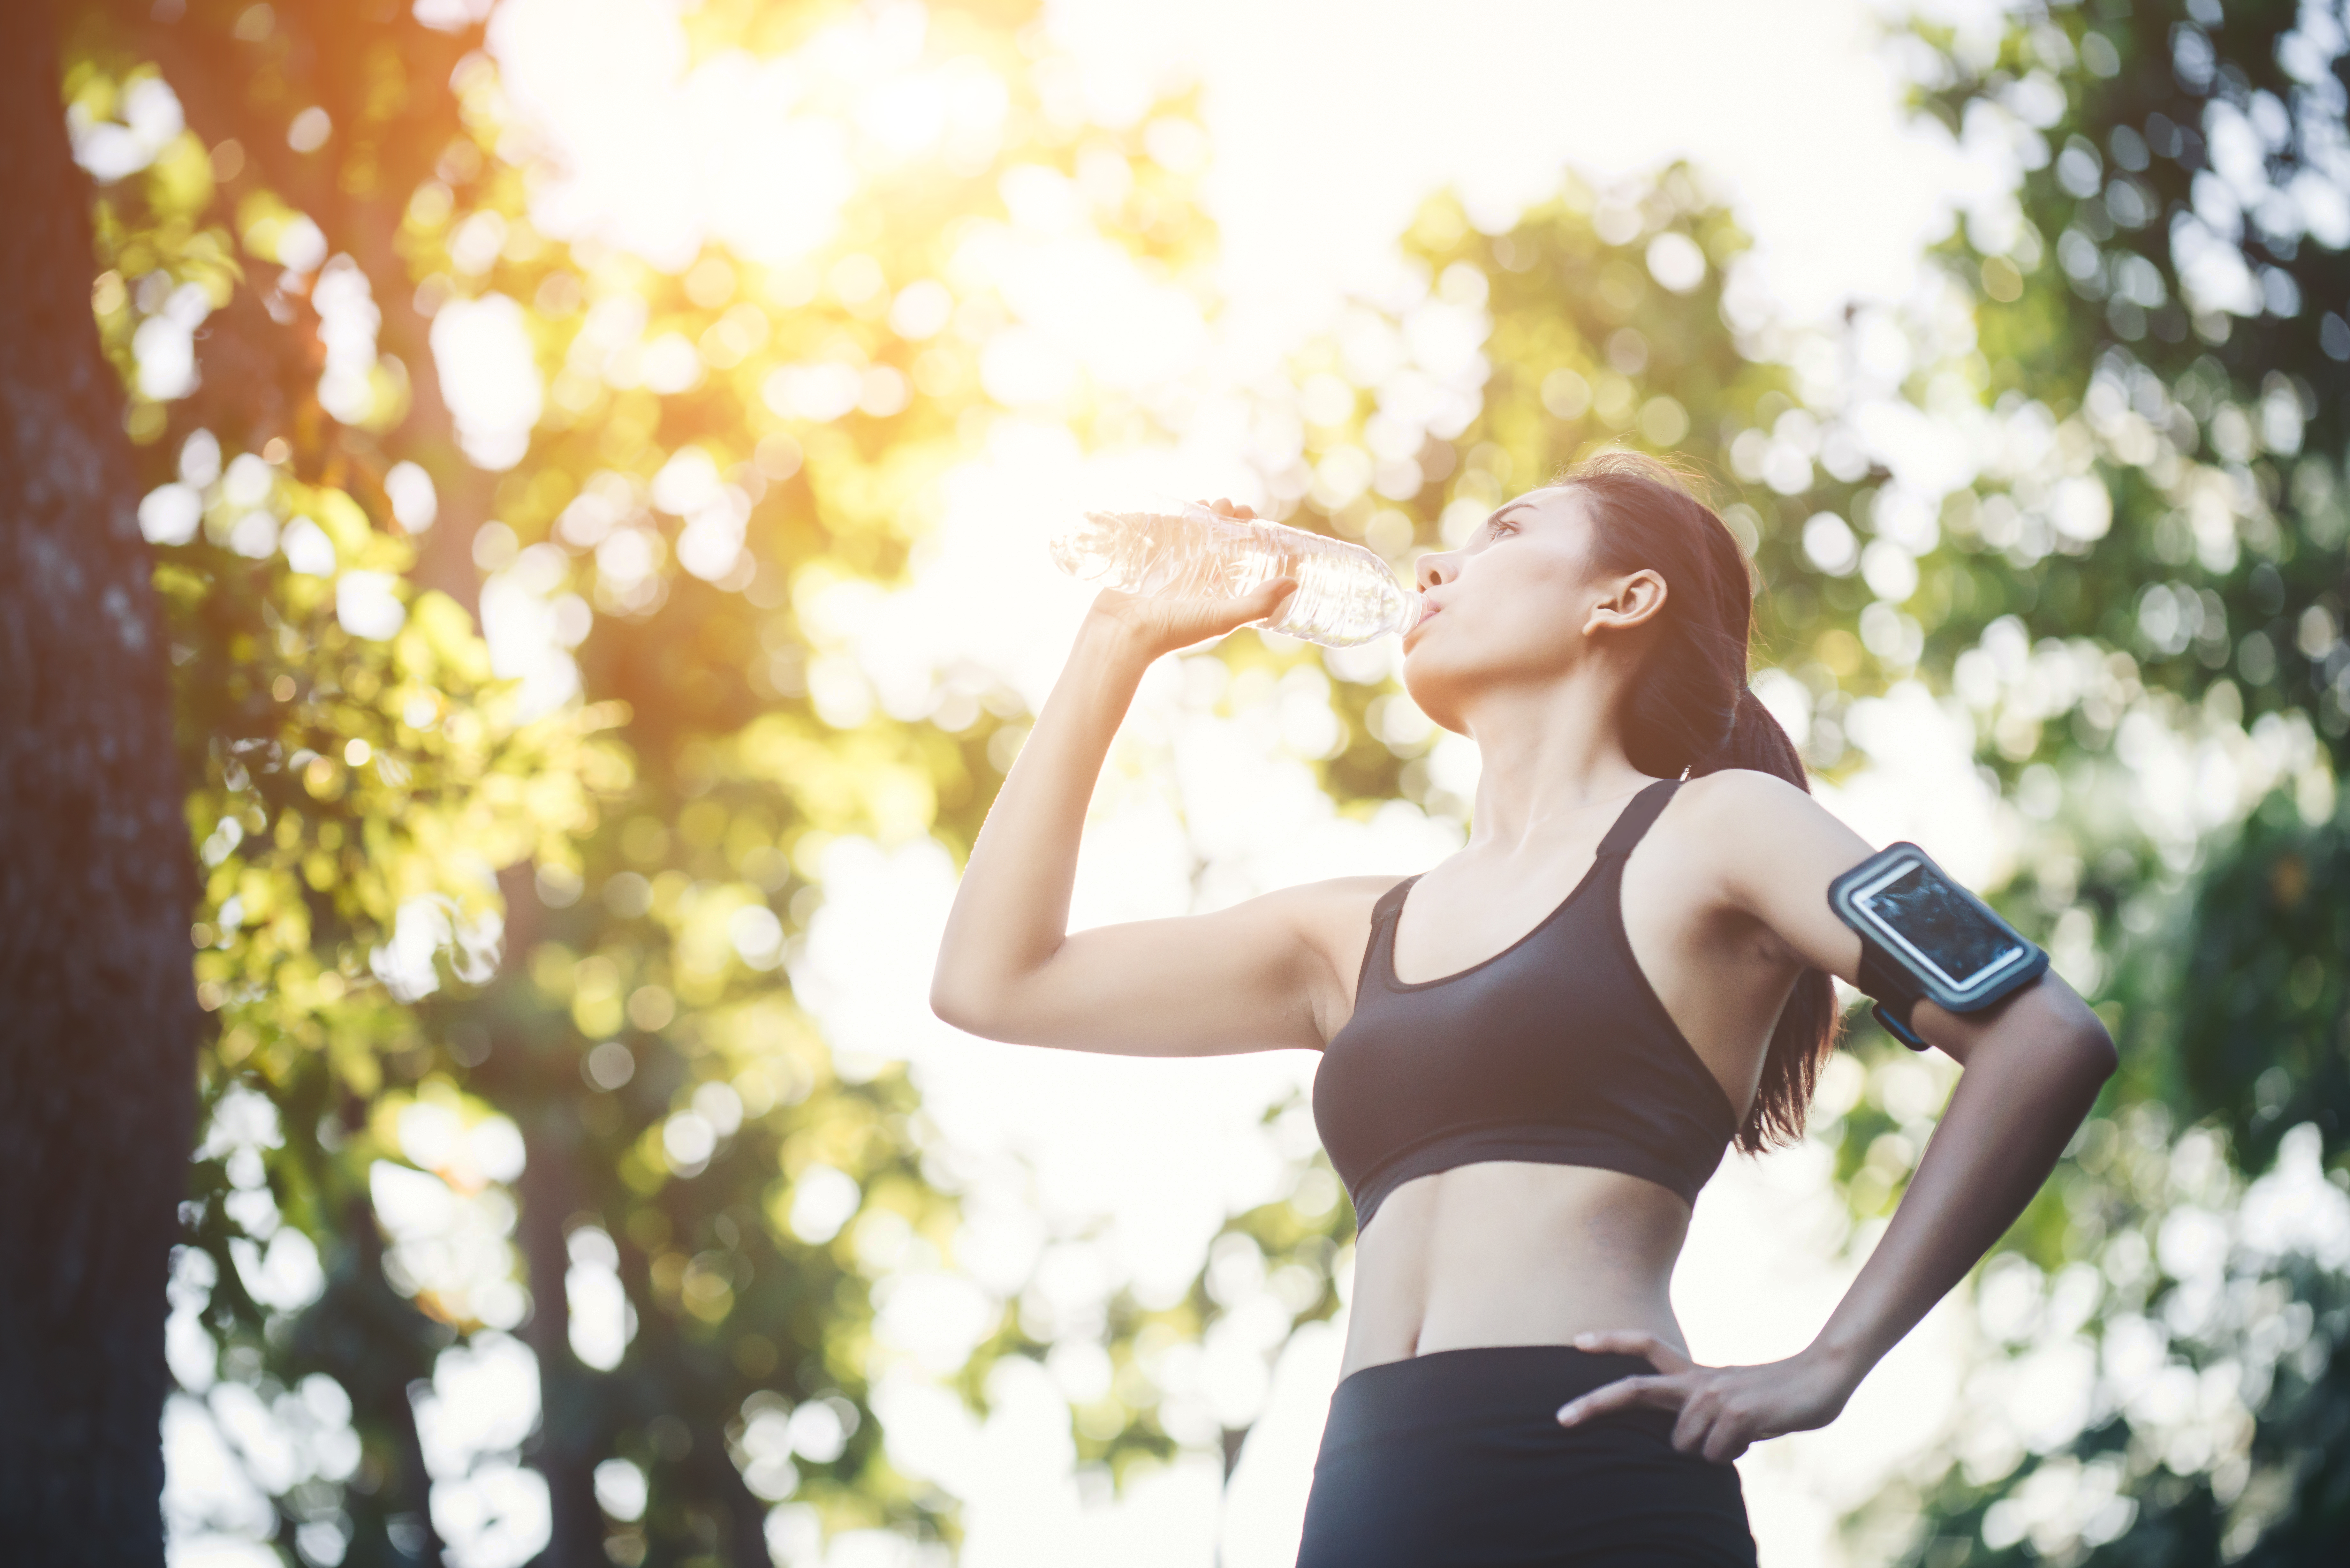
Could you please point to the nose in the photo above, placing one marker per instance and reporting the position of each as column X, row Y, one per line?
column 1436, row 567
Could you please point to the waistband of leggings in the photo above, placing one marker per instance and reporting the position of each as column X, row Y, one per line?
column 1568, row 1368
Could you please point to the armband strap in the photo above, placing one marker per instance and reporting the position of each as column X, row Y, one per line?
column 1886, row 982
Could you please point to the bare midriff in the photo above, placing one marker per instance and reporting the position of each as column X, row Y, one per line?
column 1510, row 1252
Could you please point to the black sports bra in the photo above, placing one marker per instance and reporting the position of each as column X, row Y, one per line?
column 1555, row 1050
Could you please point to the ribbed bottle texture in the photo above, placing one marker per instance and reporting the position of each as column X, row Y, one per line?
column 1346, row 594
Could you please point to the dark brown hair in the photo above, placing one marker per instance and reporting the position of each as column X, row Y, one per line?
column 1689, row 710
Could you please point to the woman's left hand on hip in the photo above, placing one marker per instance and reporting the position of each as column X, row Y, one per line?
column 1722, row 1409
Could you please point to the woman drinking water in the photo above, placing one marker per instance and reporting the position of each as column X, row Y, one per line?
column 1535, row 1053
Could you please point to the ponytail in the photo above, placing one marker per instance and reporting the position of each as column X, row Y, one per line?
column 1755, row 740
column 1690, row 713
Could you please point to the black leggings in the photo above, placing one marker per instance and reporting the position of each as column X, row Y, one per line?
column 1455, row 1459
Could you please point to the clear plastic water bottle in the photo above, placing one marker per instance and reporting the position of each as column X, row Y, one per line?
column 1346, row 594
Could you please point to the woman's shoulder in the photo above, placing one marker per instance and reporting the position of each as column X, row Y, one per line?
column 1757, row 834
column 1745, row 790
column 1334, row 914
column 1342, row 898
column 1737, row 806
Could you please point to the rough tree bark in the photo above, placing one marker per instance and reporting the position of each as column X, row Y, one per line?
column 96, row 1075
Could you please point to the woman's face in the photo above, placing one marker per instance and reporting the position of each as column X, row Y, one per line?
column 1513, row 605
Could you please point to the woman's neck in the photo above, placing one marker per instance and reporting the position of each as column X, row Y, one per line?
column 1549, row 753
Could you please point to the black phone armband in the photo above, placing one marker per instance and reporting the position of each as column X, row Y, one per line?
column 1924, row 936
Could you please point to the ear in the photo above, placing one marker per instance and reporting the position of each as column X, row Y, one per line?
column 1634, row 601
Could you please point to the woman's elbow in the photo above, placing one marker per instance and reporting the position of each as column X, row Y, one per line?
column 975, row 1008
column 954, row 1005
column 2094, row 1044
column 2085, row 1043
column 2055, row 1027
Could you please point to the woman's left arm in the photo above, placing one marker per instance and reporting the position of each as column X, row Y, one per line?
column 2030, row 1066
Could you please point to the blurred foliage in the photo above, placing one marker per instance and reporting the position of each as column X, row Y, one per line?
column 2171, row 272
column 498, row 944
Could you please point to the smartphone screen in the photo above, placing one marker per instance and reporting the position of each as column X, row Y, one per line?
column 1921, row 914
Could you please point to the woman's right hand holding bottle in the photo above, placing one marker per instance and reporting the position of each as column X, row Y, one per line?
column 1160, row 623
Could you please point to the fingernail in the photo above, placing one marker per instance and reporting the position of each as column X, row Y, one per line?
column 1585, row 1338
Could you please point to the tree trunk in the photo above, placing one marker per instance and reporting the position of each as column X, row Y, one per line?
column 568, row 1437
column 572, row 1430
column 374, row 1342
column 96, row 1080
column 400, row 1409
column 746, row 1514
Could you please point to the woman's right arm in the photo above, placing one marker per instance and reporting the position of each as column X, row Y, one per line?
column 1240, row 978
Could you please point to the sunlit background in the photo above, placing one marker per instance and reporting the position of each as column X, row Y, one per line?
column 1325, row 128
column 1220, row 256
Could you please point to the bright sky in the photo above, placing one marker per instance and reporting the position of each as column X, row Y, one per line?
column 1331, row 121
column 1328, row 125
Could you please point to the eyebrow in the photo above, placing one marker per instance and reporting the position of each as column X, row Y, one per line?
column 1512, row 506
